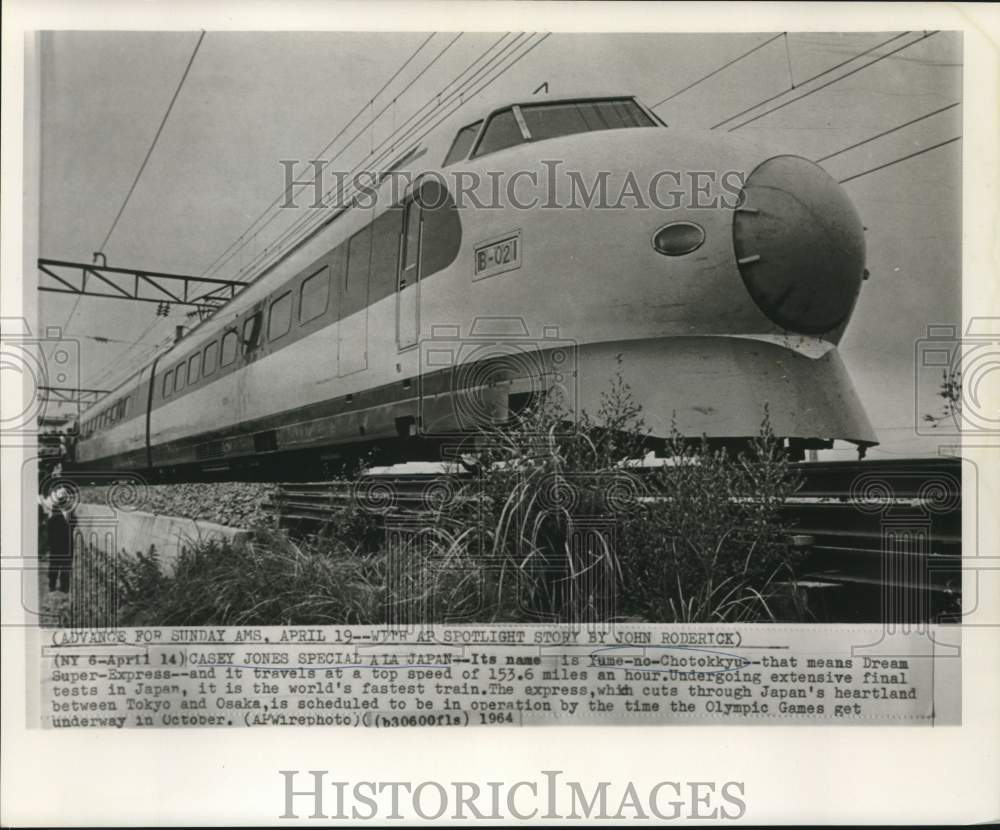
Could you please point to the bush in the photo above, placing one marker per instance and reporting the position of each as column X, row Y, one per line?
column 562, row 526
column 711, row 547
column 268, row 580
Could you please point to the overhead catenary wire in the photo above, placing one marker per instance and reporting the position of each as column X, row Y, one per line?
column 405, row 133
column 887, row 132
column 112, row 368
column 276, row 247
column 397, row 136
column 439, row 100
column 242, row 241
column 365, row 128
column 898, row 160
column 829, row 83
column 715, row 72
column 815, row 77
column 328, row 145
column 142, row 167
column 97, row 338
column 152, row 146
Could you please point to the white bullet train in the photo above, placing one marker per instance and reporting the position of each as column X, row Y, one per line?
column 557, row 239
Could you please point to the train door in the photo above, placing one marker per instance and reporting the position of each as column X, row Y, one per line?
column 408, row 286
column 352, row 346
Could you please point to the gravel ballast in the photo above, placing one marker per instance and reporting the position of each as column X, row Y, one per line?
column 234, row 504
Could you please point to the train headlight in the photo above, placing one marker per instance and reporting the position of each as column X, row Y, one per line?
column 678, row 238
column 799, row 245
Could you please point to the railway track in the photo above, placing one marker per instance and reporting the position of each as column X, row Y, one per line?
column 877, row 535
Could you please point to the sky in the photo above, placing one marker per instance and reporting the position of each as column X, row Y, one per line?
column 253, row 99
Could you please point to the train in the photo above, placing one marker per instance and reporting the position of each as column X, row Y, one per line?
column 555, row 242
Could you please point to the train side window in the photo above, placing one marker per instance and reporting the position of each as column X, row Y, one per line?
column 462, row 143
column 314, row 296
column 194, row 366
column 408, row 274
column 338, row 272
column 179, row 378
column 441, row 234
column 385, row 254
column 208, row 362
column 168, row 383
column 251, row 333
column 228, row 348
column 279, row 319
column 359, row 252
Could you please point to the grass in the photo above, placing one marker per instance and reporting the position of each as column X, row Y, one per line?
column 554, row 525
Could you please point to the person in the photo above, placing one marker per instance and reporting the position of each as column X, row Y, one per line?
column 60, row 525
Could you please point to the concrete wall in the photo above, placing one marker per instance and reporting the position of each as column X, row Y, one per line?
column 115, row 531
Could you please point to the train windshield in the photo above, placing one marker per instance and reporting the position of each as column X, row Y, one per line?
column 536, row 122
column 463, row 143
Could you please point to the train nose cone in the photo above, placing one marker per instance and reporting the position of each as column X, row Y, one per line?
column 799, row 245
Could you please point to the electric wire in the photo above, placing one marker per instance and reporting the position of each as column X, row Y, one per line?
column 252, row 264
column 887, row 132
column 897, row 161
column 715, row 72
column 307, row 223
column 821, row 87
column 152, row 146
column 329, row 144
column 276, row 248
column 810, row 80
column 142, row 167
